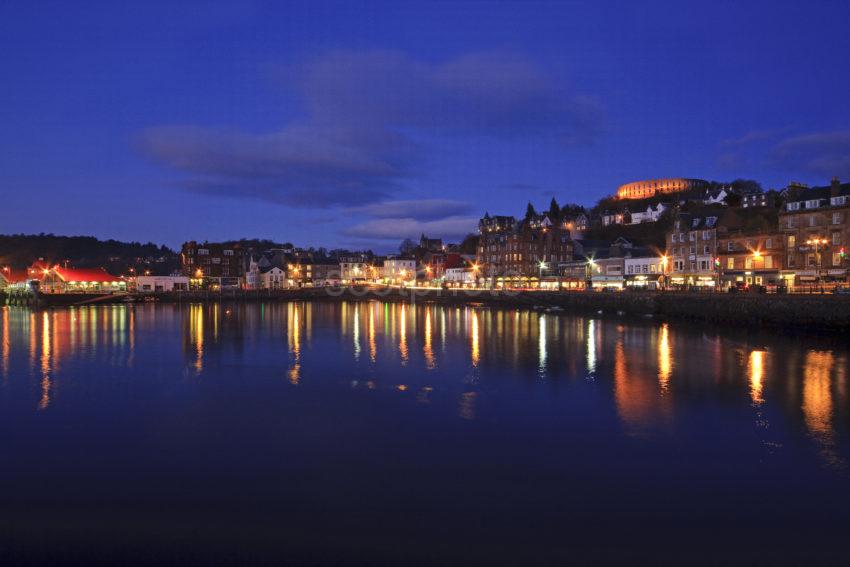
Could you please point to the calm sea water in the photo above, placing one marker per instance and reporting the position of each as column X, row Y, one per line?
column 387, row 434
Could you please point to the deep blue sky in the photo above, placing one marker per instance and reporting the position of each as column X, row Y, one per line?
column 355, row 124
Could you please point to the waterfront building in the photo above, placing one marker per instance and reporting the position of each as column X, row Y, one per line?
column 691, row 248
column 213, row 265
column 519, row 254
column 398, row 269
column 73, row 280
column 815, row 223
column 273, row 277
column 651, row 187
column 356, row 268
column 751, row 258
column 644, row 270
column 161, row 284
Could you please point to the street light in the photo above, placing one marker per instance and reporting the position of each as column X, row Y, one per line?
column 541, row 266
column 817, row 242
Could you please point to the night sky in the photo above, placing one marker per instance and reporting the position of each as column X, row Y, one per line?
column 357, row 124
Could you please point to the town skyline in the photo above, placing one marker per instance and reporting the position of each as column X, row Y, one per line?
column 354, row 126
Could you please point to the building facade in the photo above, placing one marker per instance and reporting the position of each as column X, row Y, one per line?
column 519, row 254
column 815, row 224
column 691, row 250
column 213, row 265
column 751, row 259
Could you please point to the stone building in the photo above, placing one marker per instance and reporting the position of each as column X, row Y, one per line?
column 691, row 248
column 213, row 265
column 750, row 259
column 815, row 223
column 515, row 253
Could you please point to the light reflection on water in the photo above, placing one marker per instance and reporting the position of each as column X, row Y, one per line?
column 563, row 347
column 399, row 373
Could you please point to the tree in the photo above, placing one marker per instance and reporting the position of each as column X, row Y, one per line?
column 554, row 210
column 529, row 211
column 407, row 247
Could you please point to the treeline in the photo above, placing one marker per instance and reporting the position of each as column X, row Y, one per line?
column 20, row 250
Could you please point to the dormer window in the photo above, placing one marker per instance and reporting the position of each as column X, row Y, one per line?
column 793, row 206
column 812, row 203
column 838, row 201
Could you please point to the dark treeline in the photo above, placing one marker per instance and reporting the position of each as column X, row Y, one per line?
column 20, row 250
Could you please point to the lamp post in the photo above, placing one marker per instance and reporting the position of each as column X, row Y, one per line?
column 817, row 243
column 589, row 273
column 665, row 261
column 541, row 266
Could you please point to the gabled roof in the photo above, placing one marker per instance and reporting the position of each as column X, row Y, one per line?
column 85, row 275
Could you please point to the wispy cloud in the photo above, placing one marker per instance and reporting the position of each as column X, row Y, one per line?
column 400, row 228
column 821, row 153
column 365, row 111
column 420, row 209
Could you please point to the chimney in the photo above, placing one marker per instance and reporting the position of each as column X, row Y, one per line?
column 835, row 188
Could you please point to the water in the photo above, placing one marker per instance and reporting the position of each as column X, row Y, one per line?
column 387, row 434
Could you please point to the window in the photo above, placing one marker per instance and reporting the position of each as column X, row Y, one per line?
column 793, row 206
column 216, row 260
column 813, row 203
column 705, row 249
column 768, row 262
column 836, row 258
column 836, row 238
column 790, row 262
column 706, row 235
column 791, row 222
column 730, row 263
column 652, row 268
column 836, row 201
column 692, row 236
column 836, row 218
column 813, row 221
column 768, row 243
column 730, row 247
column 748, row 263
column 228, row 252
column 631, row 269
column 693, row 250
column 203, row 252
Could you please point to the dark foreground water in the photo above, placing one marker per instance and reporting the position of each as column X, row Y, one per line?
column 385, row 434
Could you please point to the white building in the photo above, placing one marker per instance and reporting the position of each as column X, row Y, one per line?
column 273, row 277
column 651, row 214
column 459, row 277
column 399, row 269
column 644, row 271
column 161, row 284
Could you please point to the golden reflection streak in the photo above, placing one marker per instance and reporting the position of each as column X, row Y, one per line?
column 402, row 341
column 45, row 362
column 373, row 347
column 818, row 405
column 197, row 326
column 356, row 334
column 475, row 340
column 755, row 369
column 541, row 343
column 427, row 349
column 294, row 343
column 665, row 358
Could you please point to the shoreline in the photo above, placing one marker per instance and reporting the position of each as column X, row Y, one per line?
column 789, row 312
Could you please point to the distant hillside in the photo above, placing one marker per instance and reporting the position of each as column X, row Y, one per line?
column 20, row 250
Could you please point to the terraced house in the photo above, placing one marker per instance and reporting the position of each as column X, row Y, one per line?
column 815, row 223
